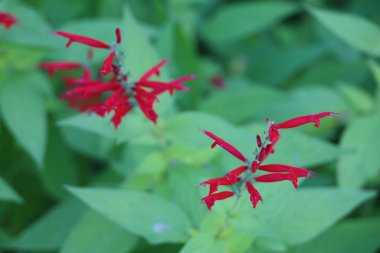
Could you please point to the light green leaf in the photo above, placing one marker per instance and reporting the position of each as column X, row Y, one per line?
column 296, row 216
column 360, row 161
column 204, row 243
column 7, row 193
column 236, row 21
column 141, row 213
column 354, row 236
column 131, row 127
column 95, row 234
column 357, row 98
column 49, row 232
column 246, row 103
column 24, row 114
column 356, row 31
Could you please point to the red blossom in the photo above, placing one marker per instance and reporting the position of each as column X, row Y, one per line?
column 255, row 196
column 107, row 64
column 7, row 20
column 82, row 40
column 52, row 67
column 277, row 177
column 225, row 145
column 118, row 35
column 302, row 120
column 217, row 81
column 210, row 199
column 276, row 172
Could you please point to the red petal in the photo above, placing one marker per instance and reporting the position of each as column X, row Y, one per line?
column 7, row 19
column 118, row 35
column 225, row 145
column 255, row 196
column 277, row 177
column 107, row 64
column 235, row 173
column 153, row 71
column 82, row 40
column 298, row 172
column 298, row 121
column 51, row 67
column 210, row 199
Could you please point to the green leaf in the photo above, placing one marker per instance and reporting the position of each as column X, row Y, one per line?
column 49, row 232
column 360, row 161
column 24, row 114
column 354, row 236
column 357, row 98
column 182, row 184
column 141, row 213
column 296, row 216
column 356, row 31
column 236, row 21
column 131, row 127
column 245, row 103
column 204, row 243
column 7, row 193
column 59, row 167
column 95, row 234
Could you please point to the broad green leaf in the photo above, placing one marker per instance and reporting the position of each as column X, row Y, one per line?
column 183, row 182
column 59, row 167
column 296, row 216
column 375, row 68
column 186, row 128
column 95, row 234
column 243, row 104
column 50, row 231
column 7, row 193
column 131, row 127
column 360, row 143
column 153, row 164
column 141, row 213
column 236, row 21
column 24, row 114
column 356, row 31
column 356, row 97
column 354, row 236
column 204, row 243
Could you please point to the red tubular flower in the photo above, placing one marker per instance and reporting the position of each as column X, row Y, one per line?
column 255, row 196
column 153, row 71
column 302, row 120
column 118, row 35
column 258, row 140
column 52, row 67
column 225, row 145
column 216, row 182
column 7, row 20
column 107, row 64
column 82, row 40
column 210, row 199
column 298, row 172
column 277, row 177
column 233, row 174
column 217, row 81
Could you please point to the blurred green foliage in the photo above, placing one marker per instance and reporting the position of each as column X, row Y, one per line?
column 71, row 183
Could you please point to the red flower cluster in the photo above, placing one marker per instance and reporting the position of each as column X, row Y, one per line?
column 116, row 94
column 277, row 172
column 7, row 20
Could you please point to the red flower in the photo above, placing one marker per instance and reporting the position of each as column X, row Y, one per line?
column 107, row 64
column 276, row 177
column 255, row 196
column 118, row 35
column 217, row 81
column 52, row 67
column 298, row 121
column 225, row 145
column 277, row 172
column 210, row 199
column 298, row 172
column 82, row 40
column 7, row 20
